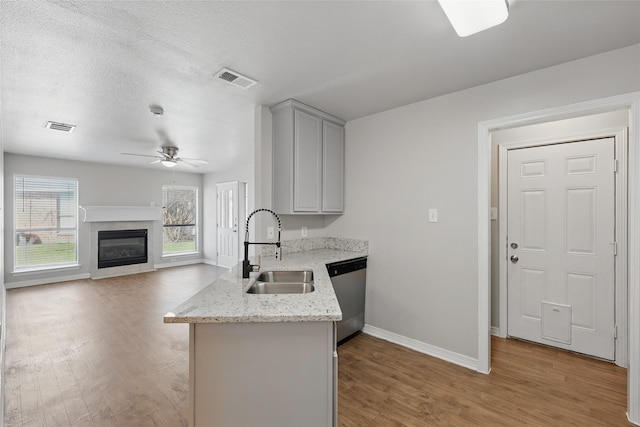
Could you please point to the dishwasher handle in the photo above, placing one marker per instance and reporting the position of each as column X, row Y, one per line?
column 348, row 266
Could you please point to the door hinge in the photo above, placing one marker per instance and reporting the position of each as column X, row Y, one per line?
column 615, row 248
column 615, row 165
column 615, row 332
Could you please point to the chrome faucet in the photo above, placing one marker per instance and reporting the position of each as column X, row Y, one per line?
column 246, row 267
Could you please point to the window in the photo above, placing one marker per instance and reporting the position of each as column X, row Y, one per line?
column 180, row 220
column 45, row 222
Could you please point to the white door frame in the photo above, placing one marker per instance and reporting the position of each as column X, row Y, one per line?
column 241, row 203
column 620, row 135
column 630, row 101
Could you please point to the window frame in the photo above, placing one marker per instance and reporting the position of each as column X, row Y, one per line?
column 76, row 226
column 196, row 223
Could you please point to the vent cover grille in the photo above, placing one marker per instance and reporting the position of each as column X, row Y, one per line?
column 235, row 79
column 63, row 127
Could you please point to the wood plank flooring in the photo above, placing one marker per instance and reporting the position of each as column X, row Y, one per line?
column 96, row 353
column 382, row 384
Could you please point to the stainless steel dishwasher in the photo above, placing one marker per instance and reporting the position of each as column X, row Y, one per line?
column 349, row 280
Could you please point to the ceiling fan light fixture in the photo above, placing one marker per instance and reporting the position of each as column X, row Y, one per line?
column 168, row 163
column 472, row 16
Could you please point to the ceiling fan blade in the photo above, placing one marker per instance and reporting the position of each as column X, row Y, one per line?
column 153, row 162
column 180, row 159
column 200, row 161
column 140, row 155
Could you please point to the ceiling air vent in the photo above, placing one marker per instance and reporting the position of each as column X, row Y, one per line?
column 235, row 79
column 60, row 126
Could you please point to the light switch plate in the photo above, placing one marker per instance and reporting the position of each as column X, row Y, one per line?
column 433, row 215
column 270, row 232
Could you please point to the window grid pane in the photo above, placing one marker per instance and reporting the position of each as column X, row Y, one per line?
column 45, row 226
column 179, row 215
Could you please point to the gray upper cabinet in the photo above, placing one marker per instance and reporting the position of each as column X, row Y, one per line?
column 332, row 167
column 308, row 160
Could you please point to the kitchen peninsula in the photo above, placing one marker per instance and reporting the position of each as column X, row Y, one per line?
column 264, row 359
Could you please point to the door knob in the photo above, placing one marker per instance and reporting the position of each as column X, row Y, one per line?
column 514, row 258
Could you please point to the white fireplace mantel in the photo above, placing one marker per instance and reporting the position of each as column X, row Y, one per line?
column 120, row 213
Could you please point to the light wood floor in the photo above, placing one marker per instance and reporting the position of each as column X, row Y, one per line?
column 96, row 353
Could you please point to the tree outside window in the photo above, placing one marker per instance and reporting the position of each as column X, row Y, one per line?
column 180, row 222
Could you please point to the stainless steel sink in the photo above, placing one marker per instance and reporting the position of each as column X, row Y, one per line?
column 283, row 276
column 283, row 282
column 280, row 288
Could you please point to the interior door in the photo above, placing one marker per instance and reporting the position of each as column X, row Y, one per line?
column 561, row 237
column 228, row 223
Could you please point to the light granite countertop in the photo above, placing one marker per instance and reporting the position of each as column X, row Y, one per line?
column 226, row 301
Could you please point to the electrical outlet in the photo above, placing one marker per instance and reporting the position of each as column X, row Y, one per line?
column 270, row 232
column 304, row 231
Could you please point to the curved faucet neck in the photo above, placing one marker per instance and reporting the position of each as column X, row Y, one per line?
column 246, row 266
column 275, row 215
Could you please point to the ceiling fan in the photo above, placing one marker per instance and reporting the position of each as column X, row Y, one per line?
column 169, row 158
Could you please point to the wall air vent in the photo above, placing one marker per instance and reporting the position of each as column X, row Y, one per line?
column 235, row 79
column 60, row 126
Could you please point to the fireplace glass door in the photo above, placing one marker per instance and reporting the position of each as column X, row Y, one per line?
column 121, row 247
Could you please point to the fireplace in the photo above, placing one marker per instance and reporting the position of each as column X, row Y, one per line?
column 121, row 247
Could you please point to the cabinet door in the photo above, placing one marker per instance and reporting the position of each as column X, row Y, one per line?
column 307, row 162
column 332, row 167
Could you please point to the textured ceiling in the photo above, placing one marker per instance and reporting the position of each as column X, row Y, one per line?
column 99, row 65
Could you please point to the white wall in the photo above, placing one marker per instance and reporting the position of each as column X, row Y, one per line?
column 422, row 277
column 550, row 130
column 98, row 185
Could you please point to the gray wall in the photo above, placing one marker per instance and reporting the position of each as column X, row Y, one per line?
column 98, row 185
column 422, row 277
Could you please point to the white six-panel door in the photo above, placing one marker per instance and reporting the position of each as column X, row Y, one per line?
column 561, row 232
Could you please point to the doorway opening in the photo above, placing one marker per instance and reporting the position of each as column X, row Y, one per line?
column 630, row 101
column 554, row 295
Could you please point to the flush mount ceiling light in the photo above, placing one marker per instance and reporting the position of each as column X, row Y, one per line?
column 168, row 163
column 470, row 17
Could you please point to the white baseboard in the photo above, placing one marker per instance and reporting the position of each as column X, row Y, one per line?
column 495, row 331
column 46, row 280
column 210, row 262
column 431, row 350
column 179, row 263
